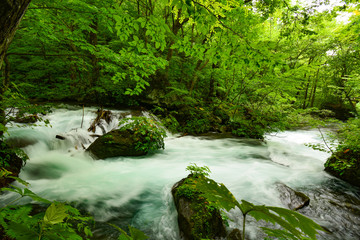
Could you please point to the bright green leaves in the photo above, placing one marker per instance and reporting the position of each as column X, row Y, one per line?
column 197, row 171
column 25, row 192
column 217, row 194
column 55, row 213
column 144, row 37
column 293, row 224
column 60, row 221
column 19, row 223
column 149, row 135
column 135, row 234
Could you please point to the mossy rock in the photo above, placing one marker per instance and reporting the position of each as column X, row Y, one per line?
column 345, row 165
column 114, row 144
column 196, row 218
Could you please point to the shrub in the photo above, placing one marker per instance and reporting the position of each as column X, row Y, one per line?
column 148, row 133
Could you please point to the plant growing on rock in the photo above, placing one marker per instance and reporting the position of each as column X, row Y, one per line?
column 196, row 170
column 149, row 135
column 345, row 159
column 293, row 224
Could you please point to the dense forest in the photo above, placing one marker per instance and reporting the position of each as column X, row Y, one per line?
column 258, row 61
column 241, row 67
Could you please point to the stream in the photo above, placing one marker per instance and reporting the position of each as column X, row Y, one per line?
column 137, row 190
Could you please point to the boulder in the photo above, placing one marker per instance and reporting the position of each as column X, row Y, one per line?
column 293, row 199
column 337, row 166
column 115, row 143
column 20, row 142
column 196, row 218
column 235, row 234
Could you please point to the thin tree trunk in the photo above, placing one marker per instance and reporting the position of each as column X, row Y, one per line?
column 314, row 89
column 347, row 96
column 306, row 92
column 199, row 67
column 212, row 84
column 95, row 74
column 11, row 13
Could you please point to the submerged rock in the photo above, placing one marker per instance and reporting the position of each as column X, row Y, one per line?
column 293, row 199
column 20, row 142
column 115, row 143
column 196, row 218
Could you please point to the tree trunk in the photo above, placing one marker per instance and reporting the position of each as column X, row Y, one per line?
column 11, row 13
column 306, row 92
column 314, row 88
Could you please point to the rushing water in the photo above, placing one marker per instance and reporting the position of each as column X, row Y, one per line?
column 136, row 190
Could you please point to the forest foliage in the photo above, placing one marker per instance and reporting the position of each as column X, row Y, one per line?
column 263, row 57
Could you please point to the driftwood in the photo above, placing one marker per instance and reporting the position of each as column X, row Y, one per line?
column 100, row 114
column 60, row 137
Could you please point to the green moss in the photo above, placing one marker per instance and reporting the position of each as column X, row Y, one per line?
column 204, row 213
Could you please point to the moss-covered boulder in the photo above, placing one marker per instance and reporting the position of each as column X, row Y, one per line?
column 197, row 219
column 115, row 143
column 345, row 164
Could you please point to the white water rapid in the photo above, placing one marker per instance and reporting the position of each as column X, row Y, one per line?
column 136, row 190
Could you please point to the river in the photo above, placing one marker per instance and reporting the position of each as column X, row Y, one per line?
column 136, row 190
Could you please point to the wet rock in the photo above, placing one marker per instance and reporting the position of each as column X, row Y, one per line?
column 20, row 142
column 235, row 234
column 196, row 219
column 350, row 174
column 115, row 143
column 293, row 199
column 132, row 113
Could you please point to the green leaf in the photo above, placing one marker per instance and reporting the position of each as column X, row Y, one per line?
column 34, row 196
column 136, row 234
column 55, row 213
column 124, row 237
column 293, row 222
column 23, row 182
column 217, row 194
column 21, row 231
